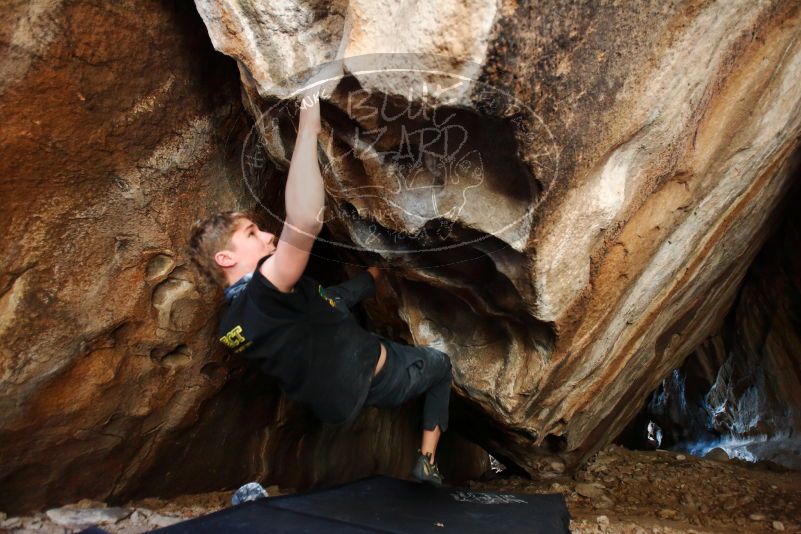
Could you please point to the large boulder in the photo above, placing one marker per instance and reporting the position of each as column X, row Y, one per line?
column 621, row 166
column 113, row 141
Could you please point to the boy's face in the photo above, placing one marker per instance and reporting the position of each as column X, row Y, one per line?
column 248, row 246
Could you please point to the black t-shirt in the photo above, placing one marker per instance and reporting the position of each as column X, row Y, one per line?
column 308, row 339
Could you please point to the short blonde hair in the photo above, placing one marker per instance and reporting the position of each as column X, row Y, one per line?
column 209, row 236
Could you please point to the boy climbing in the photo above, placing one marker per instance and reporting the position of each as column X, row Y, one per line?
column 303, row 334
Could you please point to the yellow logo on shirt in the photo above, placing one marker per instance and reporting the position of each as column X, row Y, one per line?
column 235, row 340
column 327, row 299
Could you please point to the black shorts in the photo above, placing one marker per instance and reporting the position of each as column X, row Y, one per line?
column 410, row 372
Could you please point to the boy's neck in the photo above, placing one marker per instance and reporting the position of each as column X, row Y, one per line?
column 235, row 276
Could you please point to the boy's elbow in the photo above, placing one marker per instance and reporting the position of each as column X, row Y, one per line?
column 308, row 224
column 316, row 228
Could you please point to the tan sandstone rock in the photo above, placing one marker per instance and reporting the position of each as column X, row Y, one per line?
column 113, row 142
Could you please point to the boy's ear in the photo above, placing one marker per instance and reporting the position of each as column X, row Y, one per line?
column 224, row 258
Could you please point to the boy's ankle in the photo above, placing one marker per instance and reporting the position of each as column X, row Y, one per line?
column 428, row 455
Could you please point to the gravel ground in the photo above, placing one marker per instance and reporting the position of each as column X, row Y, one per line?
column 617, row 491
column 625, row 491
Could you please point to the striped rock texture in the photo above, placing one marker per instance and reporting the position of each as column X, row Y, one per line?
column 739, row 389
column 640, row 150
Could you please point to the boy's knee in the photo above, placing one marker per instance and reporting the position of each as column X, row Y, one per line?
column 439, row 363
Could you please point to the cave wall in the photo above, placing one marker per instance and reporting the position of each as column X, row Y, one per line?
column 117, row 133
column 655, row 147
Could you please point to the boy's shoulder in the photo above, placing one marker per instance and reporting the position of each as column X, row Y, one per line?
column 258, row 309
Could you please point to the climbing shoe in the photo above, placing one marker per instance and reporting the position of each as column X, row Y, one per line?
column 425, row 471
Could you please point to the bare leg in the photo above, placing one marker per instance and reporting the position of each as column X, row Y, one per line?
column 430, row 440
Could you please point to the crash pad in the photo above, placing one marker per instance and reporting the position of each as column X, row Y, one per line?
column 384, row 504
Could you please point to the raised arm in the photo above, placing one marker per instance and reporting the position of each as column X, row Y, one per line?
column 305, row 202
column 305, row 194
